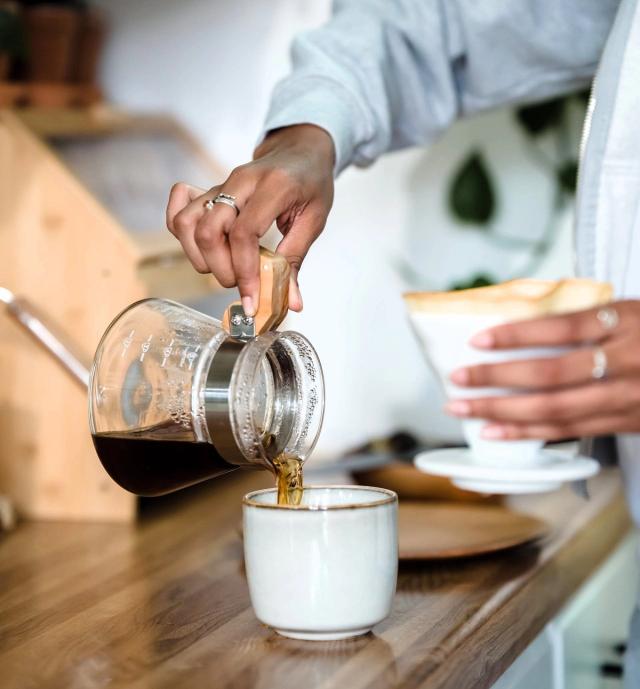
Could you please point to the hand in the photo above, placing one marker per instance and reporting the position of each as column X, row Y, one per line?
column 290, row 181
column 562, row 398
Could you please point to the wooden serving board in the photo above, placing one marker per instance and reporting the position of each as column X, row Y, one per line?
column 433, row 531
column 412, row 484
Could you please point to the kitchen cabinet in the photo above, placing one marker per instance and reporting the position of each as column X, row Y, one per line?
column 588, row 630
column 534, row 669
column 586, row 636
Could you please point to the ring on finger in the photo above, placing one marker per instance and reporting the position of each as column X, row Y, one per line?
column 600, row 364
column 608, row 317
column 227, row 199
column 227, row 202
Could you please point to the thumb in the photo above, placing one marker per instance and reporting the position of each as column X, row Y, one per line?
column 294, row 247
column 294, row 251
column 295, row 298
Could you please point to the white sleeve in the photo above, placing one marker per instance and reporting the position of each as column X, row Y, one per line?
column 386, row 74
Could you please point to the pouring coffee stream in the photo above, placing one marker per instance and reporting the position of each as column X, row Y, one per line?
column 177, row 397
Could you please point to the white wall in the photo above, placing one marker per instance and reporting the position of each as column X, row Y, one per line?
column 212, row 63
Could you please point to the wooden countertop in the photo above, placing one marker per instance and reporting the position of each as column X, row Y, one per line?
column 165, row 603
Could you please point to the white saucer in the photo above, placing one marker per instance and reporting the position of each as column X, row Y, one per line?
column 555, row 468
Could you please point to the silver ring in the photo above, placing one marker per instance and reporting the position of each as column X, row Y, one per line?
column 227, row 199
column 227, row 202
column 608, row 317
column 599, row 370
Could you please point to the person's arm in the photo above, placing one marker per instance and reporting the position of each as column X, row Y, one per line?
column 380, row 75
column 384, row 75
column 290, row 181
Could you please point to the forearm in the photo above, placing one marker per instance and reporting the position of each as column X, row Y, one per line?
column 309, row 142
column 384, row 75
column 364, row 78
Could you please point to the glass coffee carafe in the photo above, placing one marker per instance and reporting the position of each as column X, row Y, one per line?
column 175, row 399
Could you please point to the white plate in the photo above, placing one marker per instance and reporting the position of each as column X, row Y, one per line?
column 555, row 468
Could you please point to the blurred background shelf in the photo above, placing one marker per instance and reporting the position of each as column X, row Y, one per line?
column 45, row 94
column 82, row 235
column 75, row 122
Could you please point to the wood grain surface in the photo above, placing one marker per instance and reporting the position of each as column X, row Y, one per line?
column 66, row 253
column 164, row 603
column 435, row 530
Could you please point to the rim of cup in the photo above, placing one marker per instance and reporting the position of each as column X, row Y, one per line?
column 389, row 497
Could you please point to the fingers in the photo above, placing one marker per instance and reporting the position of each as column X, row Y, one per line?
column 574, row 368
column 295, row 245
column 182, row 215
column 254, row 220
column 290, row 175
column 585, row 401
column 180, row 196
column 210, row 236
column 565, row 329
column 211, row 233
column 597, row 425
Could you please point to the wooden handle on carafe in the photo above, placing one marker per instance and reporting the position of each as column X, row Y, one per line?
column 274, row 292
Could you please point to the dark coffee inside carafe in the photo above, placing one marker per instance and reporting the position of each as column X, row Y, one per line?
column 154, row 466
column 147, row 464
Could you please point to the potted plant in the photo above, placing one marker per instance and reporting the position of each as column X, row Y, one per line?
column 12, row 43
column 51, row 28
column 89, row 46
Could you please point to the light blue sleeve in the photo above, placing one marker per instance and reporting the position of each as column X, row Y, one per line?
column 387, row 74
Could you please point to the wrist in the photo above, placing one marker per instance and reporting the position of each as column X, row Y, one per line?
column 307, row 138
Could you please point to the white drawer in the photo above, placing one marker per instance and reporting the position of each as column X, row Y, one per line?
column 595, row 620
column 533, row 669
column 574, row 646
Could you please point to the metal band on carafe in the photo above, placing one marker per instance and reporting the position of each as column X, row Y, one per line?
column 216, row 400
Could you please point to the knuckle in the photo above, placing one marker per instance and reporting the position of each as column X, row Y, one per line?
column 504, row 335
column 238, row 173
column 486, row 408
column 547, row 407
column 295, row 262
column 567, row 329
column 203, row 237
column 225, row 280
column 181, row 224
column 549, row 372
column 479, row 375
column 177, row 188
column 240, row 232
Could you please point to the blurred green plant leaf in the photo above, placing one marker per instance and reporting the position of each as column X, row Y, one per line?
column 568, row 176
column 478, row 280
column 471, row 194
column 584, row 95
column 537, row 119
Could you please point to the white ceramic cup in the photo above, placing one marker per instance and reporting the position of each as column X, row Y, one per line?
column 445, row 341
column 327, row 568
